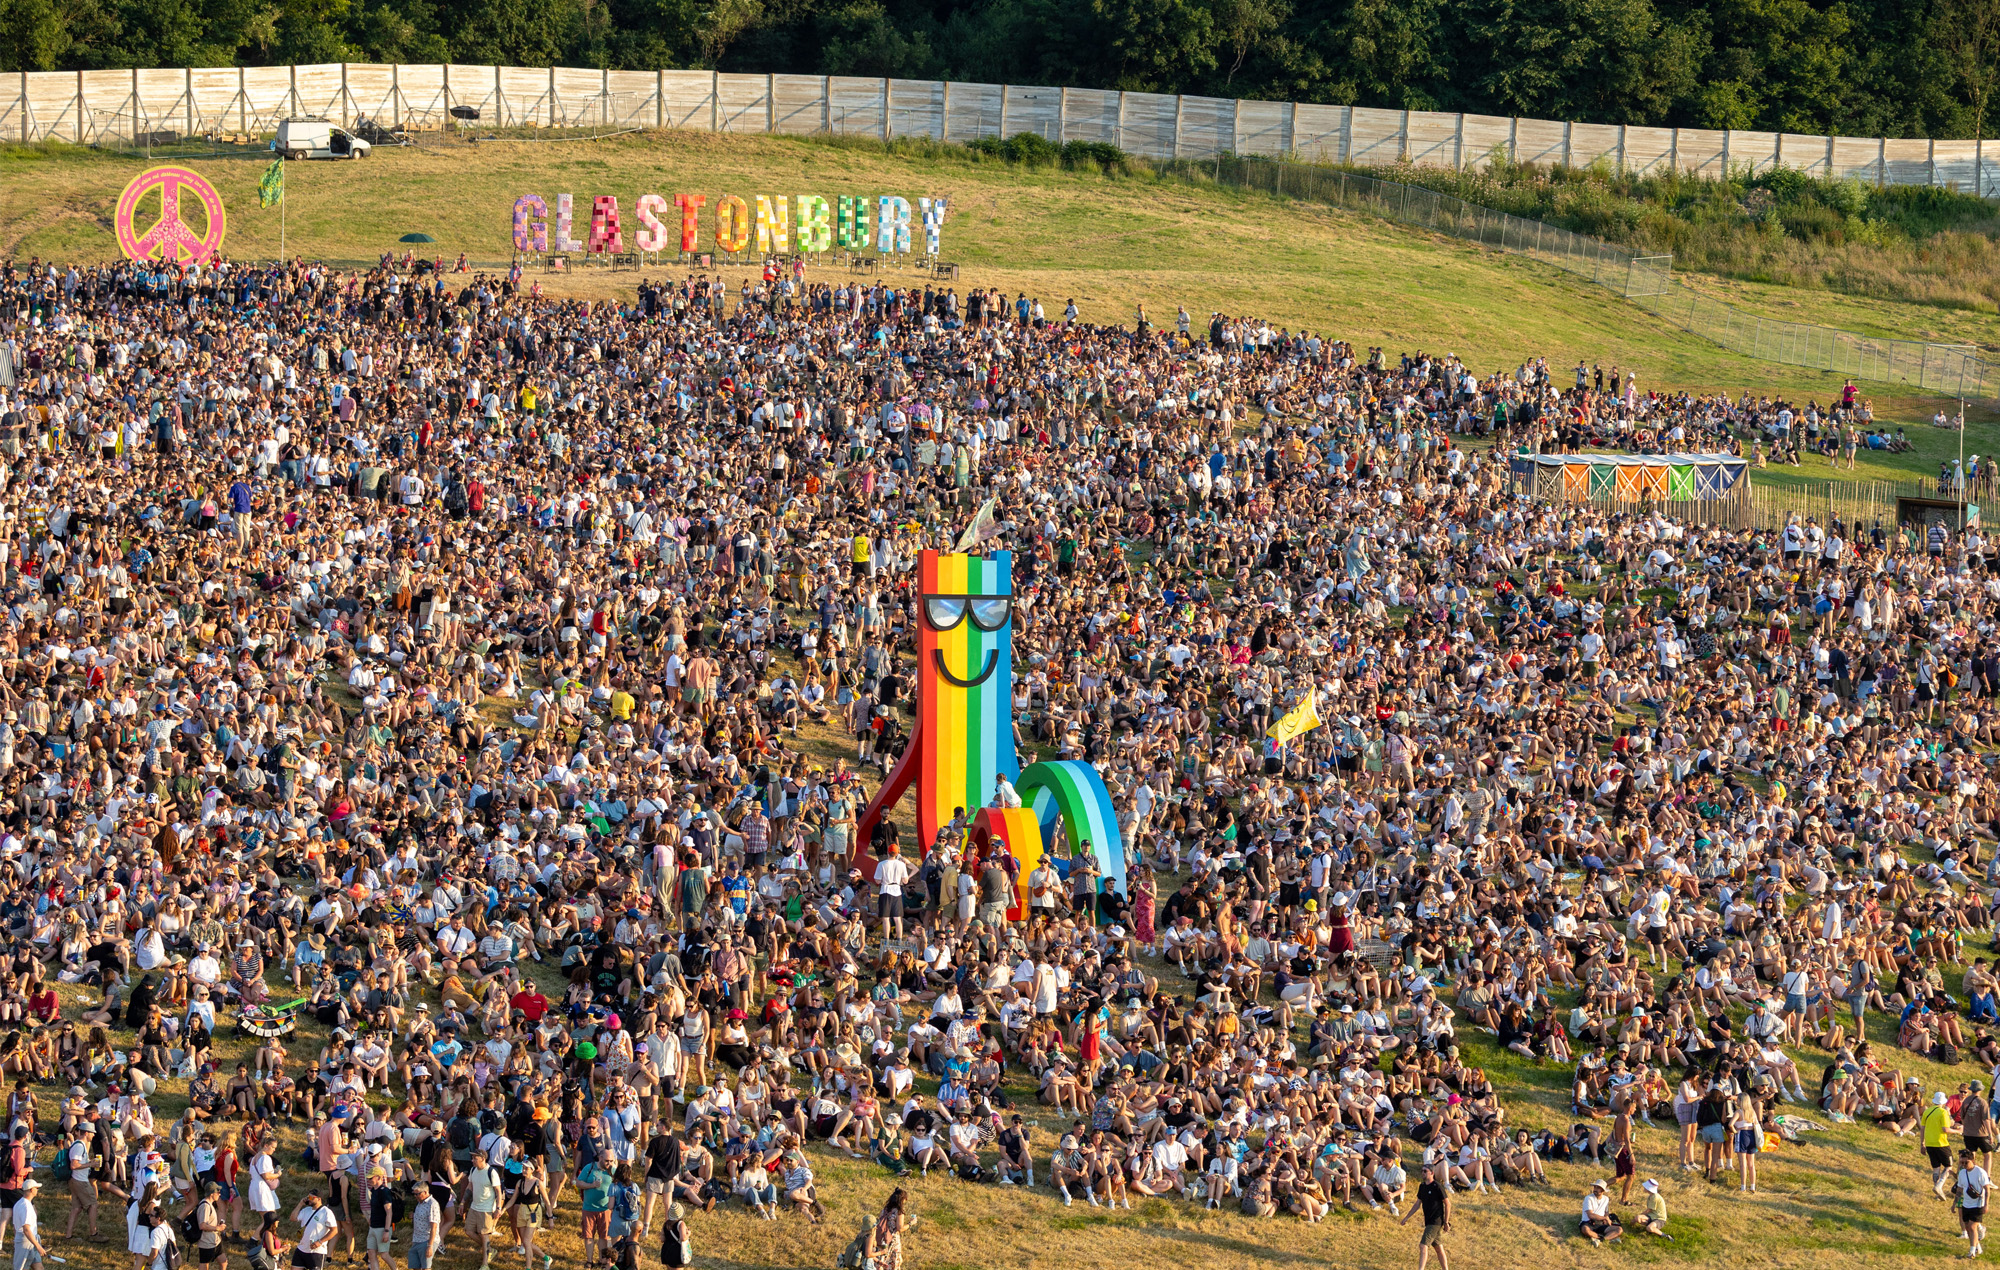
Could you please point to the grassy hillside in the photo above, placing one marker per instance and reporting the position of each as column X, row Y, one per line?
column 1110, row 240
column 1924, row 245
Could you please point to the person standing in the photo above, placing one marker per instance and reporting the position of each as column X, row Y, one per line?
column 891, row 873
column 209, row 1251
column 593, row 1183
column 1624, row 1164
column 317, row 1225
column 1434, row 1202
column 1748, row 1125
column 1937, row 1143
column 482, row 1190
column 382, row 1204
column 885, row 1238
column 1975, row 1121
column 82, row 1186
column 28, row 1248
column 264, row 1175
column 1971, row 1187
column 426, row 1230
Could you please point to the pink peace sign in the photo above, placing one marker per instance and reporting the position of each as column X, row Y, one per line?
column 170, row 239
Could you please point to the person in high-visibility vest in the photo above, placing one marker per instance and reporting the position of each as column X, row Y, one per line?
column 859, row 556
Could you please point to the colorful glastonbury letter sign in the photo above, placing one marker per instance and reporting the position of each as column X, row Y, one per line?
column 605, row 235
column 732, row 223
column 565, row 217
column 531, row 224
column 652, row 235
column 776, row 223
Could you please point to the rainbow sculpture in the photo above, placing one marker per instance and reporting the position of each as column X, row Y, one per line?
column 964, row 735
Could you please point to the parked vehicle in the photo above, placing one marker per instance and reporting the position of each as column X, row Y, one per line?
column 313, row 138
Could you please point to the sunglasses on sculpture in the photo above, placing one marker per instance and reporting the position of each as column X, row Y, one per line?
column 989, row 613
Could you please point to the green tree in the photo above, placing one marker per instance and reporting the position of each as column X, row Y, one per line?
column 1244, row 27
column 35, row 35
column 1578, row 59
column 1147, row 46
column 865, row 39
column 1967, row 32
column 512, row 32
column 1789, row 60
column 1386, row 53
column 311, row 31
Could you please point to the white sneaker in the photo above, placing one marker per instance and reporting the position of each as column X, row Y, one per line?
column 1006, row 1181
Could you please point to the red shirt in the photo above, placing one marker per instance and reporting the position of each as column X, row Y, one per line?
column 532, row 1004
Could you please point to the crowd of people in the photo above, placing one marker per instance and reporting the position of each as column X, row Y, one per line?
column 492, row 683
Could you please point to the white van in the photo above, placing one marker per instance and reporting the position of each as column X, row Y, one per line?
column 318, row 139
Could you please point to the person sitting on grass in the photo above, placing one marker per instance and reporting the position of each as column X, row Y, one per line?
column 1655, row 1220
column 1597, row 1221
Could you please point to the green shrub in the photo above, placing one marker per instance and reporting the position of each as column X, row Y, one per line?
column 1812, row 222
column 1076, row 154
column 1031, row 150
column 1787, row 185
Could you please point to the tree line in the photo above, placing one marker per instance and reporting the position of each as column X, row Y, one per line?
column 1881, row 68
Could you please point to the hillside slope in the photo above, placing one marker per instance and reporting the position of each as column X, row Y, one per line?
column 1109, row 241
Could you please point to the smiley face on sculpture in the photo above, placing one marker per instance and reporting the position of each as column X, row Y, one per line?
column 990, row 614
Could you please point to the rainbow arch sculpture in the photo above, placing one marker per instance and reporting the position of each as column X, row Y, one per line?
column 1069, row 796
column 964, row 735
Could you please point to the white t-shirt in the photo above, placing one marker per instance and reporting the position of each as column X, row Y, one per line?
column 1971, row 1189
column 25, row 1222
column 316, row 1227
column 890, row 875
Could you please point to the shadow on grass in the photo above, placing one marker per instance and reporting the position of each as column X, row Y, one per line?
column 1249, row 1250
column 1691, row 1241
column 1851, row 1225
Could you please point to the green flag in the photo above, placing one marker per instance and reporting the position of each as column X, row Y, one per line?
column 271, row 186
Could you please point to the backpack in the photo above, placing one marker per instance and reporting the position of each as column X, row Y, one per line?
column 60, row 1167
column 189, row 1227
column 460, row 1134
column 1944, row 1054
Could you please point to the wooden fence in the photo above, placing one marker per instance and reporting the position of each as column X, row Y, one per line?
column 88, row 106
